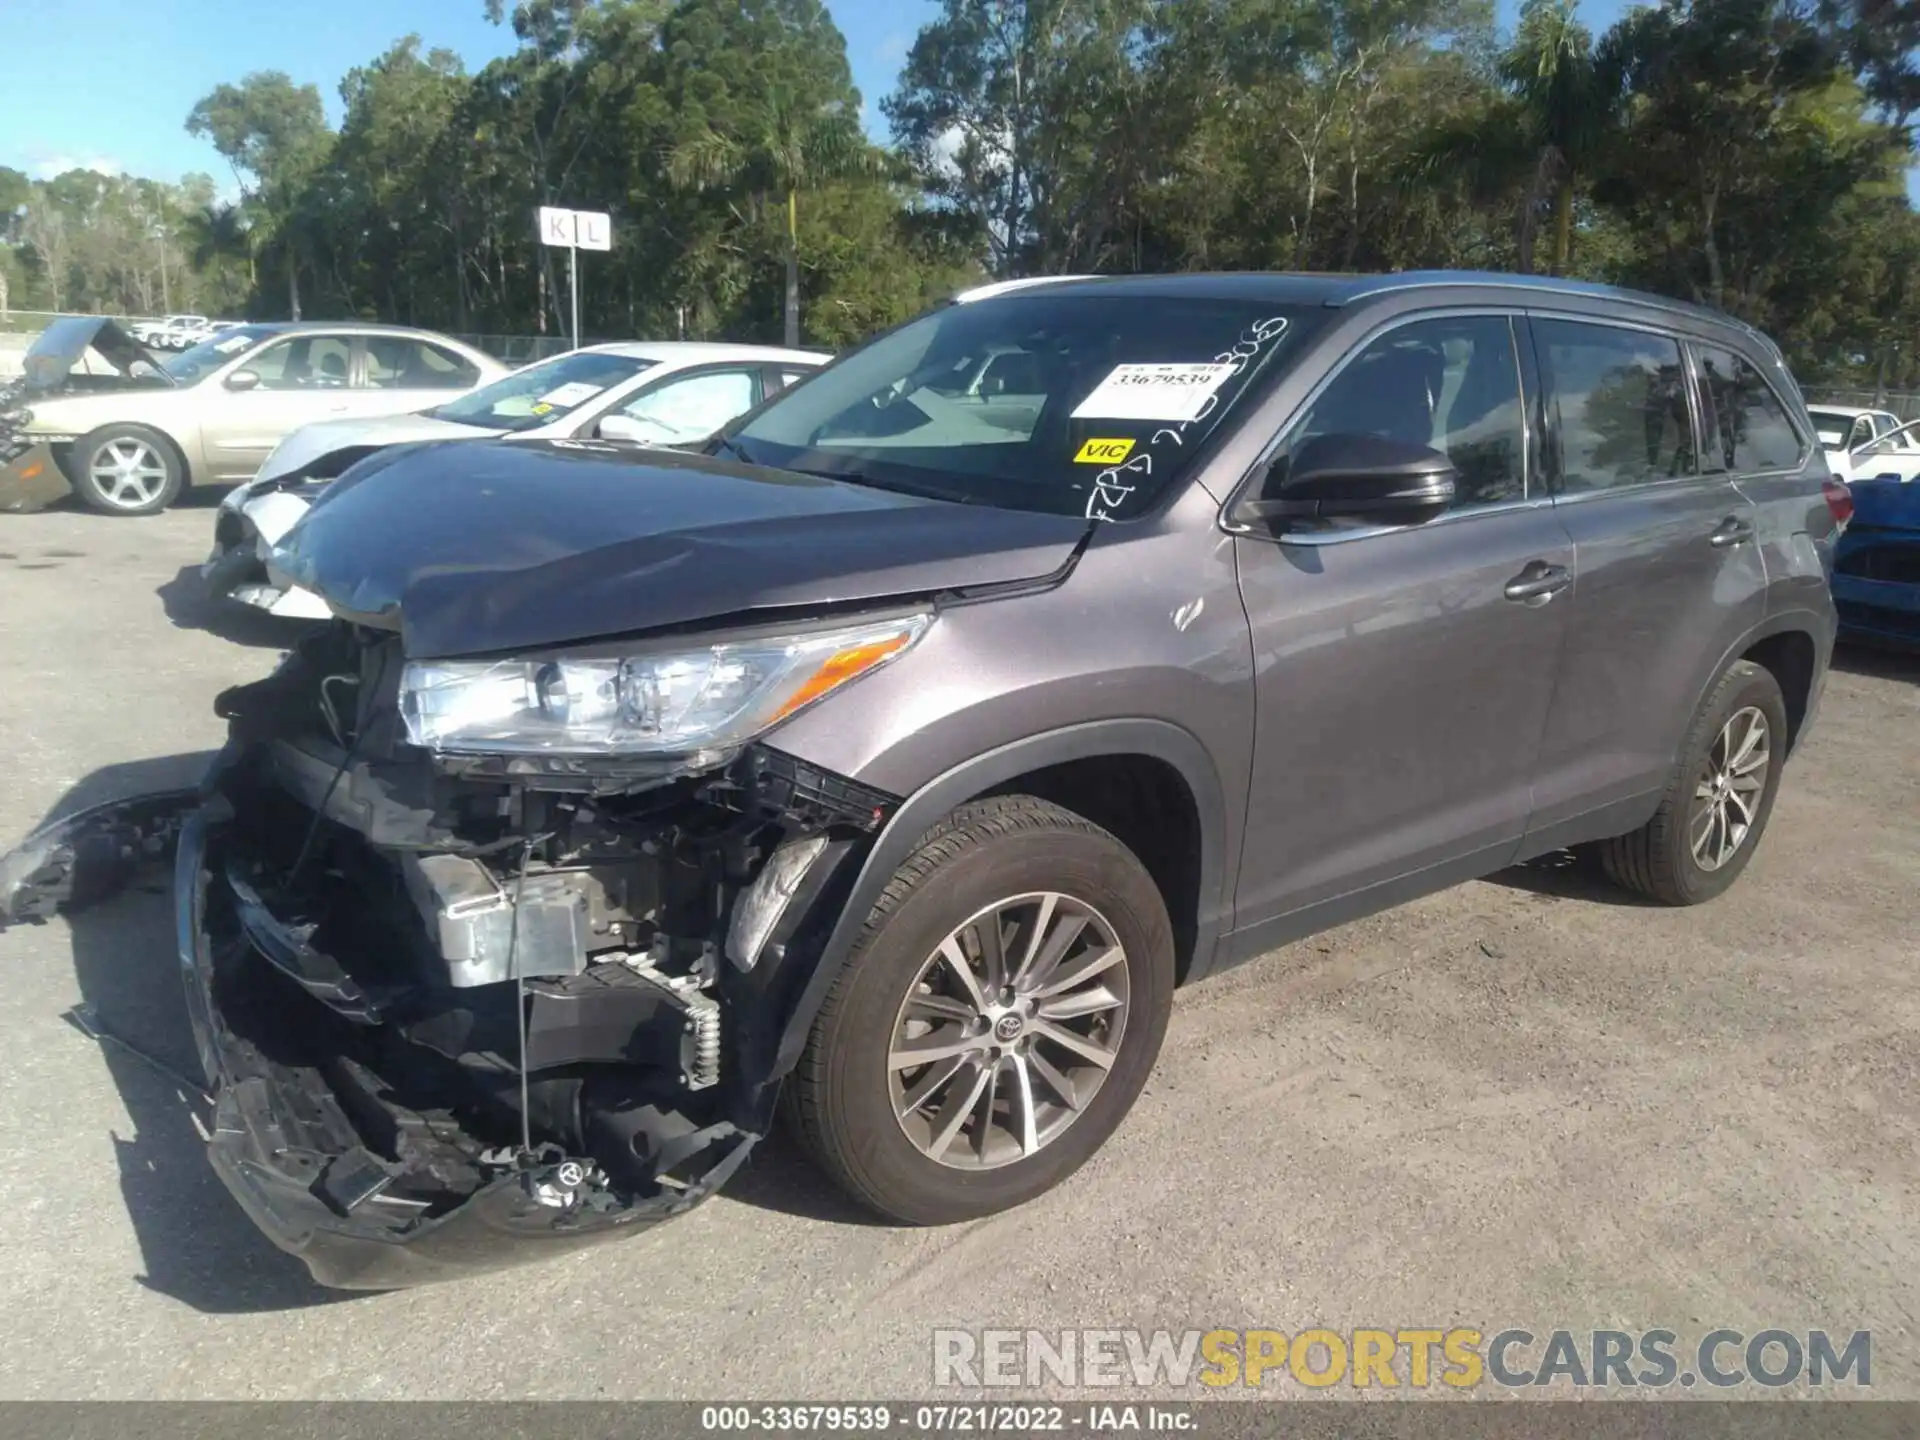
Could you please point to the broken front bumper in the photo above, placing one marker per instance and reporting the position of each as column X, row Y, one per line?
column 31, row 481
column 285, row 1147
column 244, row 535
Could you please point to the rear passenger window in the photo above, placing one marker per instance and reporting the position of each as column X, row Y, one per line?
column 395, row 362
column 1452, row 385
column 1747, row 426
column 1622, row 399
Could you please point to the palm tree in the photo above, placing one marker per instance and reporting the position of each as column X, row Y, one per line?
column 1542, row 135
column 220, row 232
column 786, row 145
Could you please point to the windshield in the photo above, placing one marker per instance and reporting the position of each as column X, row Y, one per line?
column 543, row 393
column 1831, row 426
column 190, row 367
column 1076, row 403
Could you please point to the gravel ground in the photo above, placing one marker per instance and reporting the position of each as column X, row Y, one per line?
column 1524, row 1102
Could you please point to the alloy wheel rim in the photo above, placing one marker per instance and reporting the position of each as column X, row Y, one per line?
column 128, row 473
column 1726, row 799
column 1008, row 1031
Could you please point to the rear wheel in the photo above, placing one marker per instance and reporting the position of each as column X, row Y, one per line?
column 996, row 1020
column 1717, row 804
column 127, row 470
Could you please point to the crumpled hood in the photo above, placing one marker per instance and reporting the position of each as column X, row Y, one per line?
column 488, row 546
column 325, row 437
column 58, row 348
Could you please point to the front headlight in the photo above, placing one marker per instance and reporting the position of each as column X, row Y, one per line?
column 665, row 701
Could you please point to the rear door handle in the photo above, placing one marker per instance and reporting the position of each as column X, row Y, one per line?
column 1731, row 531
column 1538, row 583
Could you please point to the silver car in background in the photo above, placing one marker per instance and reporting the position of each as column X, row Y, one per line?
column 660, row 393
column 131, row 439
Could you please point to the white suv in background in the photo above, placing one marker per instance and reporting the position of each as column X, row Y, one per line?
column 662, row 393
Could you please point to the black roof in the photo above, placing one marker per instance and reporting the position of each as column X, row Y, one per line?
column 1336, row 290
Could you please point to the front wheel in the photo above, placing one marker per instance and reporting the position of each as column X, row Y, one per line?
column 996, row 1020
column 1719, row 799
column 127, row 470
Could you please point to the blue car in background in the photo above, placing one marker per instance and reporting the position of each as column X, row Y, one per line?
column 1876, row 565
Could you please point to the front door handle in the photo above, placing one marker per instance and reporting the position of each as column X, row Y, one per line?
column 1731, row 531
column 1538, row 583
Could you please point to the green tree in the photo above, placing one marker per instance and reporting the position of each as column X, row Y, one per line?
column 1540, row 135
column 784, row 144
column 274, row 134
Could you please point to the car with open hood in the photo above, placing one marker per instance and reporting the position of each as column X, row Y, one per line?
column 129, row 429
column 647, row 393
column 899, row 753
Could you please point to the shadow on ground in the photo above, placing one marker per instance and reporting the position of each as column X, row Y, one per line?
column 780, row 1177
column 197, row 1245
column 1569, row 875
column 1877, row 662
column 191, row 606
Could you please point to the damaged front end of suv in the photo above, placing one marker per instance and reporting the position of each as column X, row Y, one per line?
column 465, row 1007
column 457, row 1009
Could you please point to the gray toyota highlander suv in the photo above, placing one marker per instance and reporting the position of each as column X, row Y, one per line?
column 901, row 753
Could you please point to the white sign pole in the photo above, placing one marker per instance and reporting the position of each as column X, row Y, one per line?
column 577, row 230
column 573, row 284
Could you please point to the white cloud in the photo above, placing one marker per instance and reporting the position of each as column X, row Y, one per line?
column 893, row 50
column 60, row 164
column 946, row 150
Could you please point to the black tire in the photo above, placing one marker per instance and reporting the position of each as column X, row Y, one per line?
column 838, row 1098
column 1658, row 859
column 159, row 483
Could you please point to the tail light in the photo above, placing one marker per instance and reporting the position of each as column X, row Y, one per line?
column 1839, row 499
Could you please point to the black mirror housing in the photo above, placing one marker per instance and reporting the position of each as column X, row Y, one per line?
column 1355, row 477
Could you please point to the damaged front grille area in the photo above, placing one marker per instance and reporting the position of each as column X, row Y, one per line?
column 436, row 988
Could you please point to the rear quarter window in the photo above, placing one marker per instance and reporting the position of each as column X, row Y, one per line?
column 1746, row 423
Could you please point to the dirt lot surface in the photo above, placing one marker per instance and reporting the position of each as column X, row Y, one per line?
column 1525, row 1102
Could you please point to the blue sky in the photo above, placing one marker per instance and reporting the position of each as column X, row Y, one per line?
column 141, row 64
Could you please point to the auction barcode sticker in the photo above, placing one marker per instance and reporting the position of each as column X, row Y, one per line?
column 1153, row 392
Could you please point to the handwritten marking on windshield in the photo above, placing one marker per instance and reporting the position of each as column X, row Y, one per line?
column 1111, row 489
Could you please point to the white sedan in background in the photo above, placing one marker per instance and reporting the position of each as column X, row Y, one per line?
column 665, row 393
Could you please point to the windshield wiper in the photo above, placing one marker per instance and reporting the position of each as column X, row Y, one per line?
column 727, row 445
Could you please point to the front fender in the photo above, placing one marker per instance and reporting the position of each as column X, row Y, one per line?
column 837, row 911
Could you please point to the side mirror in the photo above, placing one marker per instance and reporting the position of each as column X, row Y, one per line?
column 1355, row 477
column 625, row 427
column 243, row 380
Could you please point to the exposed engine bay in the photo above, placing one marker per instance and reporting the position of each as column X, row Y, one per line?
column 542, row 989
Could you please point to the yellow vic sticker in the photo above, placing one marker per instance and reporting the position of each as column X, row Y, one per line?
column 1103, row 452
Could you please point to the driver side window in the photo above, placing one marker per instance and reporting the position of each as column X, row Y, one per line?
column 305, row 362
column 1452, row 385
